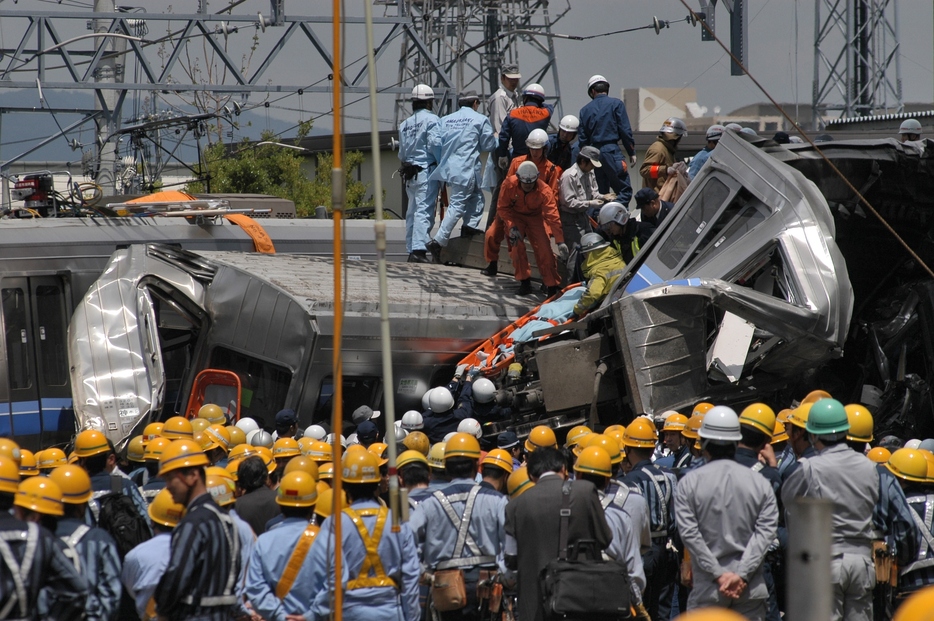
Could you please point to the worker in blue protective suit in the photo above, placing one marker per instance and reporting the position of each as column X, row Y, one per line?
column 97, row 456
column 278, row 580
column 714, row 133
column 562, row 147
column 419, row 151
column 604, row 124
column 534, row 113
column 465, row 134
column 476, row 400
column 380, row 568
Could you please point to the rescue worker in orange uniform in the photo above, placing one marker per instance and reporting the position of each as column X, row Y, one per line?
column 526, row 205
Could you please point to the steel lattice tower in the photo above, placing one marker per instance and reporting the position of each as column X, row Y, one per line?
column 857, row 65
column 470, row 40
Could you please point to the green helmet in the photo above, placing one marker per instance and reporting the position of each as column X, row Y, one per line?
column 827, row 417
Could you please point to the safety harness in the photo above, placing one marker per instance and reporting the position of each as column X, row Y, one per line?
column 925, row 530
column 19, row 571
column 462, row 524
column 370, row 543
column 664, row 499
column 229, row 598
column 71, row 541
column 618, row 498
column 296, row 560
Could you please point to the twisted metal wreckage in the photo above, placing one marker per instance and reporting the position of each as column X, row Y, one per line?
column 766, row 280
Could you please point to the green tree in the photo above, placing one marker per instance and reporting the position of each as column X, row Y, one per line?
column 270, row 169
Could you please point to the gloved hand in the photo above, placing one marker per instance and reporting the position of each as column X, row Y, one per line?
column 641, row 613
column 633, row 159
column 503, row 163
column 563, row 251
column 609, row 196
column 515, row 236
column 597, row 202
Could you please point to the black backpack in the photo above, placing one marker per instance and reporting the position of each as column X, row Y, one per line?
column 118, row 515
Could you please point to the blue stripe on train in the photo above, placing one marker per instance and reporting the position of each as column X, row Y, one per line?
column 58, row 414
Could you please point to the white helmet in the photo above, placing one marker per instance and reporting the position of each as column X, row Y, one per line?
column 748, row 130
column 910, row 126
column 721, row 425
column 537, row 139
column 483, row 390
column 534, row 90
column 352, row 439
column 592, row 241
column 913, row 443
column 527, row 172
column 471, row 426
column 441, row 399
column 596, row 79
column 613, row 212
column 569, row 123
column 261, row 438
column 412, row 420
column 661, row 418
column 674, row 125
column 735, row 127
column 425, row 398
column 315, row 432
column 400, row 434
column 247, row 425
column 714, row 132
column 448, row 436
column 330, row 440
column 422, row 92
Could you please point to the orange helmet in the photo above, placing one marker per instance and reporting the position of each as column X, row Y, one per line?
column 879, row 454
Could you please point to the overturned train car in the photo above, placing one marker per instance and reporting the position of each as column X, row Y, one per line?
column 159, row 315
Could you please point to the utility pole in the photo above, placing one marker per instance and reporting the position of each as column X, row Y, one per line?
column 109, row 71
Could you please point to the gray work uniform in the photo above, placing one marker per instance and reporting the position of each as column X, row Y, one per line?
column 727, row 516
column 575, row 191
column 625, row 549
column 849, row 480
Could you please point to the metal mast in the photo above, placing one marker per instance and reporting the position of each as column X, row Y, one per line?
column 857, row 64
column 470, row 40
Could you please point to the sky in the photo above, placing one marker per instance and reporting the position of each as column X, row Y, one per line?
column 780, row 57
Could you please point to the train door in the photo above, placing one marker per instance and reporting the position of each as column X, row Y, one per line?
column 37, row 407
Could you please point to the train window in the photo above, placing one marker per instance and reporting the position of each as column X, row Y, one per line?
column 698, row 215
column 17, row 335
column 50, row 311
column 357, row 391
column 264, row 385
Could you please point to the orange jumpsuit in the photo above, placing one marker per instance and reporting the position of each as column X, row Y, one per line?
column 531, row 213
column 493, row 239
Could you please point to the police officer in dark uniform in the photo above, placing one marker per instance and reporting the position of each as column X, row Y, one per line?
column 653, row 212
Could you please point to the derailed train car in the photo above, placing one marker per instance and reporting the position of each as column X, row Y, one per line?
column 767, row 279
column 159, row 315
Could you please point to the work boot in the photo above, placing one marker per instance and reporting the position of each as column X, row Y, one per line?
column 490, row 270
column 552, row 290
column 525, row 286
column 418, row 256
column 435, row 249
column 469, row 231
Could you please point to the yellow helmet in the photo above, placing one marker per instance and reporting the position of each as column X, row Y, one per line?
column 909, row 465
column 181, row 454
column 594, row 460
column 799, row 416
column 613, row 428
column 380, row 450
column 237, row 437
column 320, row 451
column 918, row 607
column 675, row 422
column 297, row 489
column 360, row 467
column 285, row 447
column 135, row 449
column 576, row 434
column 410, row 456
column 417, row 441
column 779, row 433
column 9, row 475
column 178, row 428
column 784, row 415
column 710, row 614
column 165, row 511
column 216, row 436
column 199, row 424
column 51, row 458
column 232, row 467
column 325, row 505
column 40, row 494
column 815, row 395
column 73, row 458
column 518, row 482
column 11, row 450
column 220, row 489
column 242, row 451
column 266, row 455
column 436, row 456
column 701, row 408
column 302, row 464
column 74, row 483
column 760, row 417
column 499, row 458
column 640, row 433
column 929, row 456
column 151, row 432
column 27, row 464
column 212, row 413
column 609, row 445
column 326, row 471
column 541, row 437
column 217, row 471
column 90, row 442
column 463, row 445
column 693, row 426
column 860, row 420
column 155, row 448
column 879, row 454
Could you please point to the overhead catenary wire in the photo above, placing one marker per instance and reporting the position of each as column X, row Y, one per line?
column 807, row 138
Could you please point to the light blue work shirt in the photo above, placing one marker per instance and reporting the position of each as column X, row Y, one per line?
column 398, row 556
column 625, row 549
column 100, row 564
column 698, row 162
column 270, row 556
column 464, row 135
column 247, row 542
column 420, row 139
column 143, row 567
